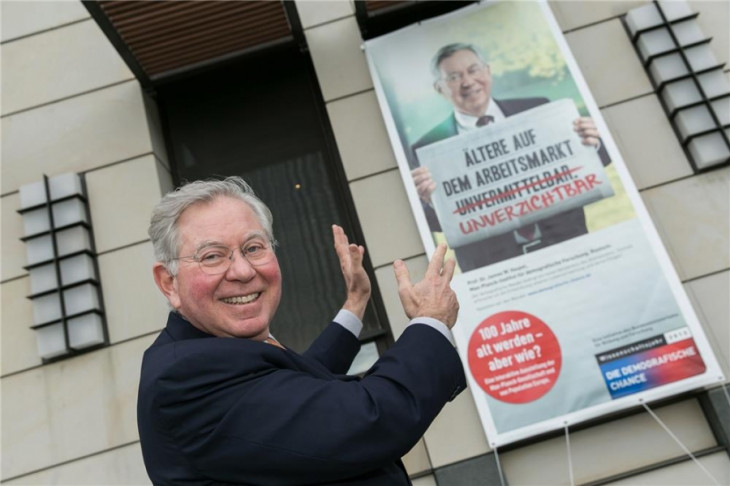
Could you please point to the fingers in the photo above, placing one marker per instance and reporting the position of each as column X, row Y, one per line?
column 340, row 241
column 402, row 275
column 437, row 261
column 448, row 271
column 356, row 253
column 426, row 189
column 585, row 127
column 432, row 296
column 425, row 185
column 349, row 254
column 420, row 174
column 338, row 236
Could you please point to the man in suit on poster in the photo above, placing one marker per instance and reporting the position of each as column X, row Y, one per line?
column 222, row 402
column 463, row 78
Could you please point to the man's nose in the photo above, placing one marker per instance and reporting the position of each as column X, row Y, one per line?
column 467, row 79
column 241, row 268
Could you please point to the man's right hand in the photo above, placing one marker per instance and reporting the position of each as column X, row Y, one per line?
column 432, row 296
column 425, row 185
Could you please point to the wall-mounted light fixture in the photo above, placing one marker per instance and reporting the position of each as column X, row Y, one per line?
column 690, row 82
column 68, row 312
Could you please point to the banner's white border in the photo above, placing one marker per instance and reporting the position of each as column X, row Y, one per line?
column 713, row 373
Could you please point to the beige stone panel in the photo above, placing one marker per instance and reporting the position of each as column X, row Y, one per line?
column 572, row 15
column 315, row 12
column 17, row 340
column 608, row 62
column 714, row 20
column 74, row 135
column 121, row 198
column 457, row 432
column 416, row 461
column 134, row 305
column 338, row 58
column 647, row 142
column 386, row 218
column 24, row 18
column 389, row 291
column 693, row 219
column 686, row 473
column 58, row 64
column 425, row 481
column 12, row 250
column 71, row 408
column 118, row 466
column 637, row 441
column 361, row 135
column 709, row 296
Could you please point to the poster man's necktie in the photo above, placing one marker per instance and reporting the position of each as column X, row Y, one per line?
column 484, row 120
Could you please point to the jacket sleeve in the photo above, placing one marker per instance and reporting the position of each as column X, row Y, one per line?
column 335, row 348
column 247, row 419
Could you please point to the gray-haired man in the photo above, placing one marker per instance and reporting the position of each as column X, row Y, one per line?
column 463, row 77
column 222, row 402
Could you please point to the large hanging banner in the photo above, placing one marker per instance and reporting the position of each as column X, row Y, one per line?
column 570, row 307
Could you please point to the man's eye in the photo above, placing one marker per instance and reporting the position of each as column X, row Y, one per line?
column 212, row 257
column 253, row 249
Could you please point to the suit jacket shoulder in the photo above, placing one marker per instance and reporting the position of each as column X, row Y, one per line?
column 448, row 128
column 237, row 411
column 517, row 105
column 445, row 129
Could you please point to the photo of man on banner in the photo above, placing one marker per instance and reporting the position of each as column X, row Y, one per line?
column 462, row 76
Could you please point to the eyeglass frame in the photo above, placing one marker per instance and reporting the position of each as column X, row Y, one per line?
column 268, row 244
column 458, row 78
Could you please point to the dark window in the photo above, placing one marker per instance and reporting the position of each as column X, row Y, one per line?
column 264, row 120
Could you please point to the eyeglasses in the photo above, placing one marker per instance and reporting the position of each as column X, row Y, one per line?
column 457, row 78
column 217, row 259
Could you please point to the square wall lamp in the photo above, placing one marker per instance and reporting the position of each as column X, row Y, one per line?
column 68, row 311
column 690, row 83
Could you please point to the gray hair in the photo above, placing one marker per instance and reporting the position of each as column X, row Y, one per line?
column 448, row 51
column 163, row 228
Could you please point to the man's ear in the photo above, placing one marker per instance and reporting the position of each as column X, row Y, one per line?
column 166, row 283
column 437, row 87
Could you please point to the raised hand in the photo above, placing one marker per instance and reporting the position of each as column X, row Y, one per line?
column 425, row 185
column 432, row 296
column 586, row 129
column 357, row 282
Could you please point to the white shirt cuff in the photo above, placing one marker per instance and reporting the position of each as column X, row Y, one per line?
column 436, row 324
column 349, row 321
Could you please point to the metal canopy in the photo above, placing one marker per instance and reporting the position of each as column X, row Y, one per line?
column 160, row 39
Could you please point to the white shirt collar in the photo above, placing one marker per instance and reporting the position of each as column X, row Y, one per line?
column 464, row 123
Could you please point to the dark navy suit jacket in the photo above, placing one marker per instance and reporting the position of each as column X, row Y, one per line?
column 234, row 411
column 554, row 229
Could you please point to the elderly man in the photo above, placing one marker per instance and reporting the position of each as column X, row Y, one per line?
column 222, row 402
column 464, row 79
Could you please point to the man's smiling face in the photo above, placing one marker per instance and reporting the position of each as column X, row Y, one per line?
column 466, row 82
column 240, row 302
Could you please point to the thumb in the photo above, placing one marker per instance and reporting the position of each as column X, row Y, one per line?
column 402, row 276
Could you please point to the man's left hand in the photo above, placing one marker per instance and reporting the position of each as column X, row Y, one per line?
column 586, row 129
column 357, row 282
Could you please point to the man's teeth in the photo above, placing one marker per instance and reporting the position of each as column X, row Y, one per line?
column 243, row 299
